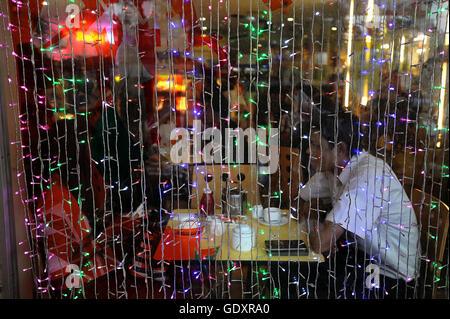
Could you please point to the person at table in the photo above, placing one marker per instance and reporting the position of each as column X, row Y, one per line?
column 295, row 121
column 371, row 220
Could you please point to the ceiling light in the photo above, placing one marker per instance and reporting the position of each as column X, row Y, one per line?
column 290, row 19
column 333, row 28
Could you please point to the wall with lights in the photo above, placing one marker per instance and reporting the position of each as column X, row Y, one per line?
column 92, row 90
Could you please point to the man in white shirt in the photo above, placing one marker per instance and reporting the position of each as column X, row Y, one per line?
column 369, row 203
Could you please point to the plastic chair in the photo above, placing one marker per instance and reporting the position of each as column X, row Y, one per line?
column 68, row 238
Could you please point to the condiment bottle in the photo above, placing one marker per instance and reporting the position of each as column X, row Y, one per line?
column 207, row 202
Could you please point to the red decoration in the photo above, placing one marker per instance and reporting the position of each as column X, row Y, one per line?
column 178, row 246
column 278, row 4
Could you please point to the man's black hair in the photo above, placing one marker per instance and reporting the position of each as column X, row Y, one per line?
column 341, row 127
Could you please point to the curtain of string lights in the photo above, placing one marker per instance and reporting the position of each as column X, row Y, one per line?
column 114, row 102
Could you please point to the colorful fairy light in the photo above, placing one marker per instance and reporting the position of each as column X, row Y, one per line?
column 182, row 103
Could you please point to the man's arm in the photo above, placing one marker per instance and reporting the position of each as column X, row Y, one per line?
column 322, row 236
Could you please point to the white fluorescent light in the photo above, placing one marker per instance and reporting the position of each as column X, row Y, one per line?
column 442, row 97
column 349, row 50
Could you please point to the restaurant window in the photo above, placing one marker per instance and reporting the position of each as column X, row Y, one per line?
column 169, row 144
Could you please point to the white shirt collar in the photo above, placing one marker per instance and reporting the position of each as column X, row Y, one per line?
column 344, row 176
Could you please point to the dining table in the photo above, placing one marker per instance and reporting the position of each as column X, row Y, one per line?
column 202, row 246
column 201, row 243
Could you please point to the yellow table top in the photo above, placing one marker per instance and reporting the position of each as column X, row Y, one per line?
column 291, row 230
